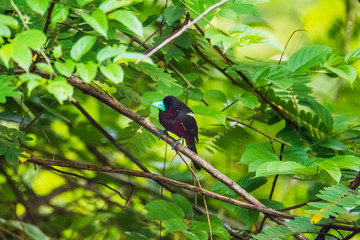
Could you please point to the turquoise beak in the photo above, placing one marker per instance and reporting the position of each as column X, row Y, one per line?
column 160, row 105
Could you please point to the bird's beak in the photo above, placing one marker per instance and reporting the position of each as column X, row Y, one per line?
column 160, row 105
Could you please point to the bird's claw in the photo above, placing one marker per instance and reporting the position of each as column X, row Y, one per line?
column 162, row 133
column 176, row 143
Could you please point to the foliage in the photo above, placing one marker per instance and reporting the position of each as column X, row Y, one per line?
column 276, row 113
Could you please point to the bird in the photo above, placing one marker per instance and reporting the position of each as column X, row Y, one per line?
column 178, row 118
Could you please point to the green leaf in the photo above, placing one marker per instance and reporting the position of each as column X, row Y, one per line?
column 60, row 89
column 273, row 168
column 131, row 57
column 109, row 52
column 33, row 39
column 247, row 216
column 33, row 80
column 185, row 205
column 217, row 37
column 59, row 14
column 97, row 21
column 31, row 230
column 82, row 3
column 333, row 144
column 39, row 6
column 217, row 226
column 110, row 5
column 9, row 21
column 136, row 236
column 217, row 94
column 308, row 57
column 250, row 35
column 195, row 236
column 234, row 9
column 172, row 14
column 163, row 210
column 128, row 20
column 113, row 72
column 12, row 155
column 249, row 99
column 4, row 31
column 211, row 112
column 82, row 46
column 195, row 94
column 6, row 90
column 332, row 168
column 66, row 68
column 251, row 183
column 256, row 154
column 87, row 72
column 55, row 113
column 22, row 55
column 320, row 110
column 346, row 72
column 3, row 148
column 57, row 51
column 175, row 225
column 44, row 67
column 6, row 52
column 352, row 56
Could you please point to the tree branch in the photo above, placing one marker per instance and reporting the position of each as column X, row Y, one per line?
column 110, row 169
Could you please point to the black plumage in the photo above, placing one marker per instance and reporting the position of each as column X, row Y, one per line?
column 178, row 118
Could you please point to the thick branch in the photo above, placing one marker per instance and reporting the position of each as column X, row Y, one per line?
column 155, row 177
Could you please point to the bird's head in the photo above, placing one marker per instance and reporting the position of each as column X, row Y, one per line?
column 168, row 103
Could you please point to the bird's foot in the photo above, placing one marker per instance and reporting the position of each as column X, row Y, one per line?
column 162, row 133
column 176, row 143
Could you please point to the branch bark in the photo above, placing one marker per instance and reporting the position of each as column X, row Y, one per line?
column 75, row 165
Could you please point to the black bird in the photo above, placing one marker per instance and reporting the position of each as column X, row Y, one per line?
column 178, row 118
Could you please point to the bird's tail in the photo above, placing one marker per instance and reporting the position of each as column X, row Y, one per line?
column 192, row 147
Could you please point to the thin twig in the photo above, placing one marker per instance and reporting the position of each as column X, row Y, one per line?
column 11, row 233
column 181, row 31
column 49, row 12
column 87, row 179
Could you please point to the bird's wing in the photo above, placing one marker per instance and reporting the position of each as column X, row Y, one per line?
column 190, row 125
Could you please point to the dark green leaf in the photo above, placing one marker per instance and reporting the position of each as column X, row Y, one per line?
column 55, row 113
column 163, row 210
column 185, row 205
column 175, row 225
column 320, row 110
column 217, row 94
column 172, row 14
